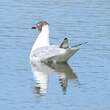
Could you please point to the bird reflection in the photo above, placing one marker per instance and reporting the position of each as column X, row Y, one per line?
column 41, row 72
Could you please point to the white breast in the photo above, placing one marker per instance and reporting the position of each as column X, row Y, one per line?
column 42, row 39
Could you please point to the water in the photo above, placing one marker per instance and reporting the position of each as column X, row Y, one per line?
column 80, row 20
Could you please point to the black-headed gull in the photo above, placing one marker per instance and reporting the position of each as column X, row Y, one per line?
column 44, row 52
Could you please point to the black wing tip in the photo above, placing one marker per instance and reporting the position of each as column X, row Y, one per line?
column 80, row 44
column 65, row 43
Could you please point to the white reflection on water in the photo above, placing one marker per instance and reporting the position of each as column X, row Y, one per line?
column 41, row 73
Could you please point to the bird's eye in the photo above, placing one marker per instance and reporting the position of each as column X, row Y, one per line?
column 38, row 24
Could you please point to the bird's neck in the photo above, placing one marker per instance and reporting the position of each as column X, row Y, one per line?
column 42, row 39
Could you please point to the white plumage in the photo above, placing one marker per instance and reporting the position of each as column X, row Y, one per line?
column 44, row 52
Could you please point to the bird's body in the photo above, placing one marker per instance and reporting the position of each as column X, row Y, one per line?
column 44, row 52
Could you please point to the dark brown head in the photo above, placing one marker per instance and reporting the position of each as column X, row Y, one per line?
column 39, row 25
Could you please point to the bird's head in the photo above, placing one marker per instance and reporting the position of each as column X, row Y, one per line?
column 40, row 25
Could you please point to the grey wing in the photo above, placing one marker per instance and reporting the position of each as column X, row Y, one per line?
column 64, row 57
column 45, row 53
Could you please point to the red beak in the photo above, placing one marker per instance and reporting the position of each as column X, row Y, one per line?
column 34, row 27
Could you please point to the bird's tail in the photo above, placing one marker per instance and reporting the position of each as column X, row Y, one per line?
column 79, row 44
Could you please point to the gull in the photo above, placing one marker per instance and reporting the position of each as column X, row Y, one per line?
column 43, row 51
